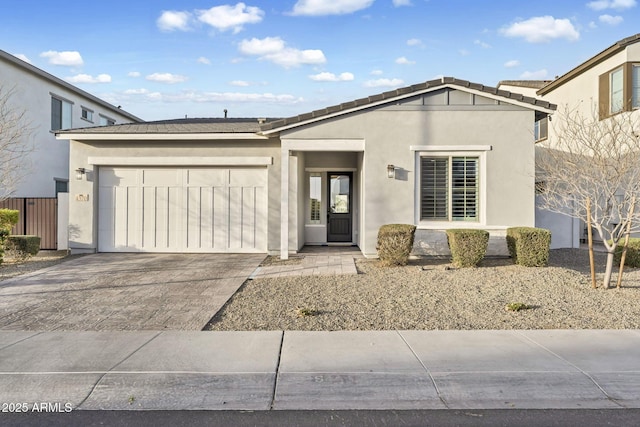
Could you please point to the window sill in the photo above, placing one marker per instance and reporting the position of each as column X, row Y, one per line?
column 456, row 224
column 86, row 120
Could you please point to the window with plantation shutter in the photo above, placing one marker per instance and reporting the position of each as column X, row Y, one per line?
column 434, row 188
column 449, row 188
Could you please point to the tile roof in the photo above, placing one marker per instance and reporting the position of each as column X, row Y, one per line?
column 374, row 99
column 532, row 84
column 178, row 126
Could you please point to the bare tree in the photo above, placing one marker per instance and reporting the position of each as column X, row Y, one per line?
column 15, row 142
column 588, row 160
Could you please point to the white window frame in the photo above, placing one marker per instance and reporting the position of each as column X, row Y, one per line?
column 619, row 104
column 66, row 112
column 88, row 112
column 635, row 86
column 309, row 220
column 462, row 151
column 106, row 120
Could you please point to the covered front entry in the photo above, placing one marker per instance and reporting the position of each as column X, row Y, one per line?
column 321, row 188
column 182, row 209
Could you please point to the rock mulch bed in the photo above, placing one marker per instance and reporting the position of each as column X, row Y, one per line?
column 431, row 295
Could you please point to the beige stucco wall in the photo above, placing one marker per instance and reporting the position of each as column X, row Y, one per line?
column 83, row 218
column 388, row 135
column 581, row 92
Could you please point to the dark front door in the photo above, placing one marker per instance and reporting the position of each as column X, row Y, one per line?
column 340, row 209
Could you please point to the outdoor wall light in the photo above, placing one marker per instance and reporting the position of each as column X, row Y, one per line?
column 80, row 173
column 391, row 171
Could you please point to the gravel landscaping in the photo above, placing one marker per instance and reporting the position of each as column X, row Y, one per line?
column 13, row 267
column 428, row 294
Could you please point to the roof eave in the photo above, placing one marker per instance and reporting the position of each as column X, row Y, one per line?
column 544, row 106
column 81, row 136
column 617, row 47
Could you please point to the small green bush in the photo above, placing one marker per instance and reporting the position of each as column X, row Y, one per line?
column 529, row 246
column 632, row 258
column 8, row 218
column 467, row 246
column 23, row 246
column 395, row 242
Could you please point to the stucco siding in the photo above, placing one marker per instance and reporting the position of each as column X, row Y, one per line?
column 390, row 134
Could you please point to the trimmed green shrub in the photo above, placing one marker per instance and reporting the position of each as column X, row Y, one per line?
column 395, row 242
column 632, row 258
column 467, row 246
column 8, row 218
column 529, row 246
column 23, row 246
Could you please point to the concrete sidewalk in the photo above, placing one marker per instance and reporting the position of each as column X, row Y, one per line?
column 586, row 369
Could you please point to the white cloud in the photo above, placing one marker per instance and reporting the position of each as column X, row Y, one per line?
column 482, row 44
column 203, row 60
column 133, row 74
column 226, row 17
column 330, row 77
column 69, row 58
column 239, row 83
column 534, row 75
column 265, row 46
column 23, row 57
column 384, row 83
column 398, row 3
column 464, row 52
column 140, row 91
column 377, row 72
column 593, row 25
column 333, row 7
column 142, row 95
column 166, row 78
column 542, row 29
column 274, row 49
column 610, row 20
column 611, row 4
column 86, row 78
column 404, row 61
column 414, row 42
column 512, row 63
column 171, row 20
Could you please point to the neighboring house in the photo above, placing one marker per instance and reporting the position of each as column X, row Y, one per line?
column 51, row 104
column 604, row 85
column 443, row 154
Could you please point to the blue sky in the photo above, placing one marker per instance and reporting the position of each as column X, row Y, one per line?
column 167, row 59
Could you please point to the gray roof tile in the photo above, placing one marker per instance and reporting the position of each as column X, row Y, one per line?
column 275, row 124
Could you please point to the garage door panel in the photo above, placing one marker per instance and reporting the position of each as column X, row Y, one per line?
column 207, row 177
column 183, row 210
column 161, row 177
column 176, row 228
column 194, row 217
column 149, row 217
column 119, row 178
column 247, row 178
column 220, row 218
column 248, row 217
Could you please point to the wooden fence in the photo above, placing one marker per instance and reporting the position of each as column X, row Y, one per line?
column 38, row 216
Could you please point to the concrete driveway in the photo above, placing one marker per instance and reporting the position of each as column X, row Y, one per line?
column 120, row 292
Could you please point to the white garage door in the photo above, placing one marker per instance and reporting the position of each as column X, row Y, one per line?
column 182, row 209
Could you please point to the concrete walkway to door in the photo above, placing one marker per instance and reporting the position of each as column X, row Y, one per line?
column 124, row 291
column 314, row 261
